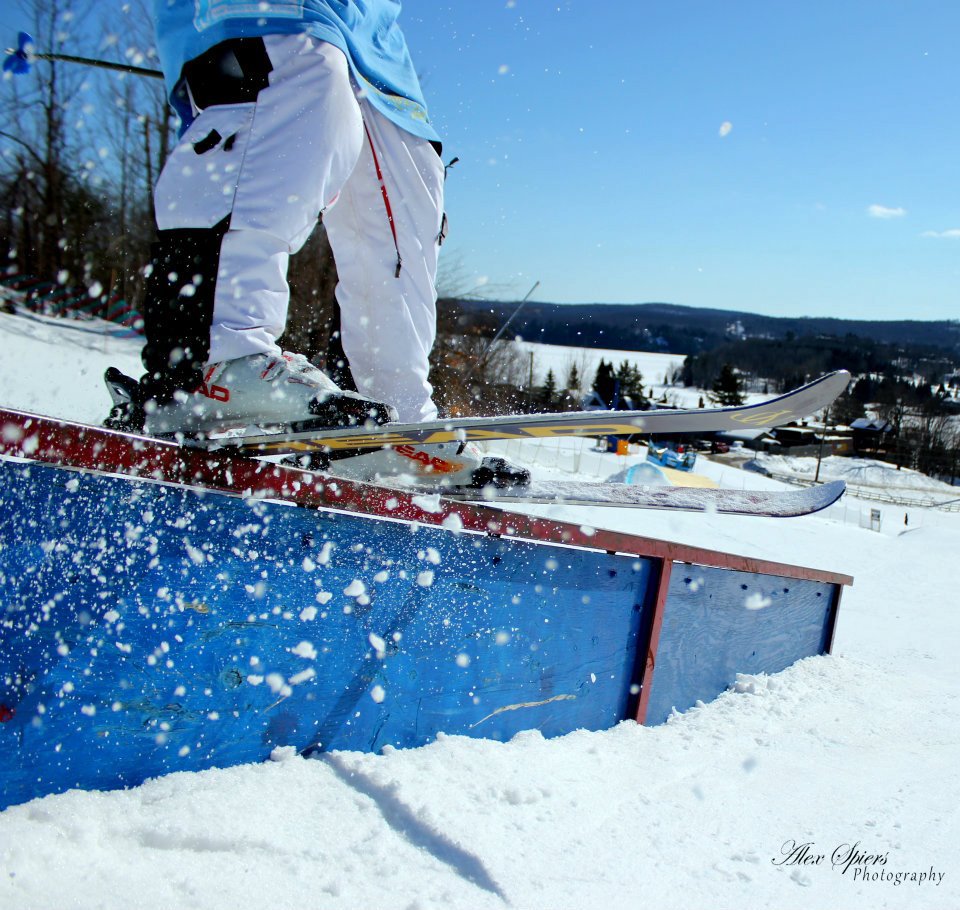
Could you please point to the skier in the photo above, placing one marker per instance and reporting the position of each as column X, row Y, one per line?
column 293, row 109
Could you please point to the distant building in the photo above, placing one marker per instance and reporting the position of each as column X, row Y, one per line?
column 872, row 435
column 758, row 440
column 593, row 402
column 796, row 436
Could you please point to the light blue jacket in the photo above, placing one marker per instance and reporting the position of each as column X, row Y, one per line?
column 365, row 30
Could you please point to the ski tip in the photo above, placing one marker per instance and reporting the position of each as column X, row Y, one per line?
column 830, row 492
column 838, row 379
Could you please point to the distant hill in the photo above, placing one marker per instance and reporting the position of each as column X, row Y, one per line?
column 685, row 330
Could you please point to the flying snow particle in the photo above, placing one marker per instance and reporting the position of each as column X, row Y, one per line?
column 277, row 684
column 356, row 588
column 302, row 676
column 453, row 522
column 428, row 502
column 197, row 556
column 305, row 650
column 725, row 129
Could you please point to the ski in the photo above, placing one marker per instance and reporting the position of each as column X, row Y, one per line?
column 764, row 503
column 304, row 438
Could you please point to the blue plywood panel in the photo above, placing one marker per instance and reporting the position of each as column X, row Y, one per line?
column 147, row 628
column 718, row 623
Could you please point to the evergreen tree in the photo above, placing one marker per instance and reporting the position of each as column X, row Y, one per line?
column 727, row 387
column 548, row 392
column 573, row 379
column 605, row 383
column 631, row 382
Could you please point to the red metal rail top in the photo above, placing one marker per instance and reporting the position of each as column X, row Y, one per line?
column 75, row 445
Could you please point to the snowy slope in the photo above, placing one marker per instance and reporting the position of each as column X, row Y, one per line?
column 55, row 366
column 859, row 749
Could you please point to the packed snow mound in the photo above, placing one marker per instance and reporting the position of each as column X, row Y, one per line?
column 864, row 472
column 55, row 366
column 643, row 474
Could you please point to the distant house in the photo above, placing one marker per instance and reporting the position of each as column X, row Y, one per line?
column 758, row 440
column 593, row 402
column 871, row 435
column 792, row 436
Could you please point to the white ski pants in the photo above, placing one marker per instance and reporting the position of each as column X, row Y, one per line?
column 311, row 144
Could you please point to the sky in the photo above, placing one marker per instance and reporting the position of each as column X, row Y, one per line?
column 779, row 158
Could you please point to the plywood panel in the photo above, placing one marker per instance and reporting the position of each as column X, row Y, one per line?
column 718, row 622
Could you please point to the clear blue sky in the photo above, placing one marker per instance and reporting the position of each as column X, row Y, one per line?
column 783, row 158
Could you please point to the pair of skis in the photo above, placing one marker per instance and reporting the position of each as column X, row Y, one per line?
column 80, row 445
column 815, row 396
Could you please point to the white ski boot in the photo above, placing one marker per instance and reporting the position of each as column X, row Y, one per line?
column 261, row 390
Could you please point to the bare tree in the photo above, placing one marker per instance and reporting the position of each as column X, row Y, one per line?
column 140, row 134
column 44, row 190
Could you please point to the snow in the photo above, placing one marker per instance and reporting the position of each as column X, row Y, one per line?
column 852, row 757
column 862, row 472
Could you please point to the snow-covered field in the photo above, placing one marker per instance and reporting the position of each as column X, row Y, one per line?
column 856, row 755
column 861, row 473
column 657, row 369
